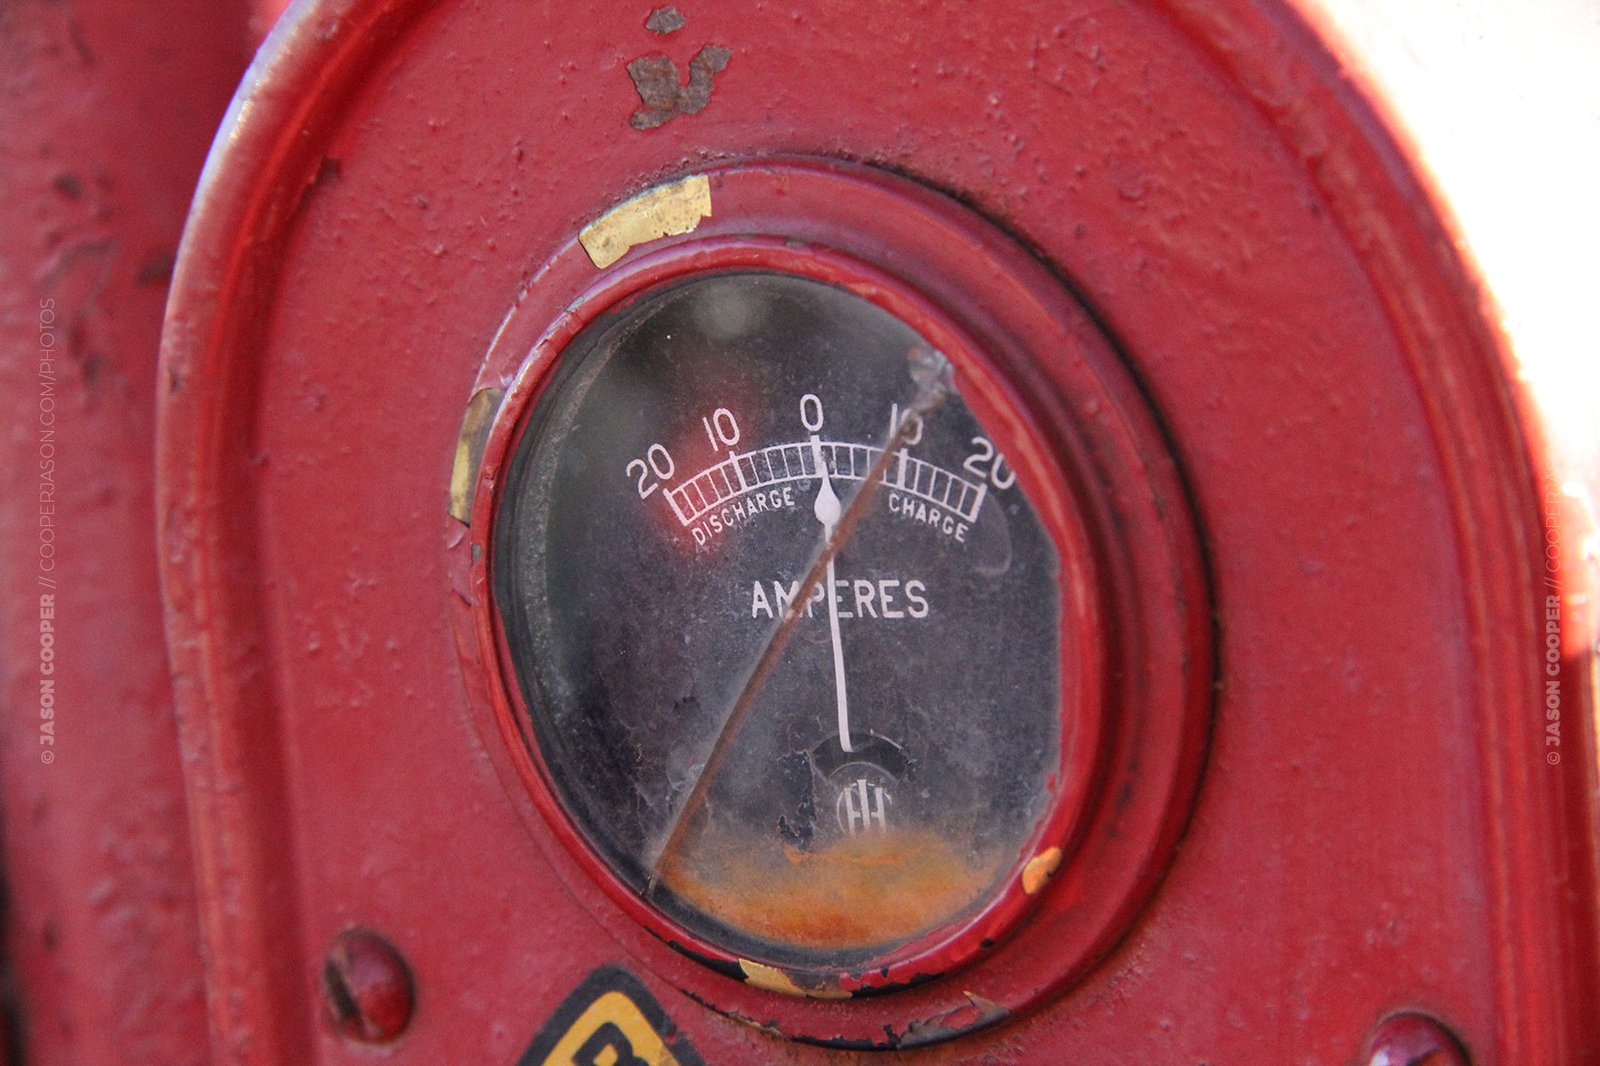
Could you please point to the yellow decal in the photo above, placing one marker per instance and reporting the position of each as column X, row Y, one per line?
column 610, row 1020
column 664, row 211
column 612, row 1032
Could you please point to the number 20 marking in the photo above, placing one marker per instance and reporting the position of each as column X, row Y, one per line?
column 660, row 465
column 999, row 475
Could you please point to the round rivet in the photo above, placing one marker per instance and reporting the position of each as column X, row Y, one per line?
column 366, row 988
column 1414, row 1040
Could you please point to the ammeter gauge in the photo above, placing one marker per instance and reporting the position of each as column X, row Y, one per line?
column 785, row 622
column 816, row 633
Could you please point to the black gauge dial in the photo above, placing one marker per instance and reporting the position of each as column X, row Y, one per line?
column 785, row 625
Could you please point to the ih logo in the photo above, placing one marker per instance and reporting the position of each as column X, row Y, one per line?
column 609, row 1020
column 863, row 806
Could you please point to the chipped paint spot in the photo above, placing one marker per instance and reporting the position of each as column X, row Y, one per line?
column 665, row 20
column 662, row 91
column 977, row 1013
column 1039, row 869
column 772, row 979
column 664, row 211
column 469, row 450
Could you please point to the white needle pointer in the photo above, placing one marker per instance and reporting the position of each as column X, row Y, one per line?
column 827, row 511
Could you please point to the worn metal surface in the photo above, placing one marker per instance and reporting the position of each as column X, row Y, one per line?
column 1380, row 829
column 106, row 109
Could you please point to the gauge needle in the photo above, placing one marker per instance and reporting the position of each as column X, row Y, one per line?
column 932, row 388
column 827, row 511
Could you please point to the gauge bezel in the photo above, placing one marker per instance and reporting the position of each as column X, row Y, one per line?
column 1080, row 656
column 931, row 264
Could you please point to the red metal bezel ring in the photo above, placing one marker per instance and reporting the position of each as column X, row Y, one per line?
column 1081, row 652
column 1136, row 641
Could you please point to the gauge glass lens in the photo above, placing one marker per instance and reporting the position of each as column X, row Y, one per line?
column 785, row 624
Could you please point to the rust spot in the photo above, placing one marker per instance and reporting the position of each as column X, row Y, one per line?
column 662, row 91
column 665, row 20
column 1039, row 869
column 655, row 78
column 857, row 892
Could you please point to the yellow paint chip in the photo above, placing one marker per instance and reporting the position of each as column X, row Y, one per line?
column 664, row 211
column 772, row 979
column 1039, row 869
column 469, row 451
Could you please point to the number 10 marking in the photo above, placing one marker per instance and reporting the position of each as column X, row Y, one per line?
column 722, row 429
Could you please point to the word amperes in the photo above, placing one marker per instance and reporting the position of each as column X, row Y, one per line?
column 886, row 597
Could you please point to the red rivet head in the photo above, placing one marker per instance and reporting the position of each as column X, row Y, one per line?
column 366, row 988
column 1414, row 1040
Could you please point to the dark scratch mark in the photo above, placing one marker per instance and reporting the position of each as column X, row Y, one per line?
column 156, row 268
column 68, row 185
column 327, row 173
column 79, row 44
column 103, row 250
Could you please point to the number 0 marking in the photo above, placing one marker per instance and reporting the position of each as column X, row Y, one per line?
column 813, row 420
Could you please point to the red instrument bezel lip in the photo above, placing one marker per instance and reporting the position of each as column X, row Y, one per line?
column 950, row 945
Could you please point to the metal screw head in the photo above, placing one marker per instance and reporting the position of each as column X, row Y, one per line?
column 1413, row 1040
column 366, row 988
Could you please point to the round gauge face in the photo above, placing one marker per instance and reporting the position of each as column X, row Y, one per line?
column 785, row 625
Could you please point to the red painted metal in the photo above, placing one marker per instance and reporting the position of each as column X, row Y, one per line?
column 1237, row 221
column 1380, row 831
column 1377, row 829
column 366, row 988
column 105, row 113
